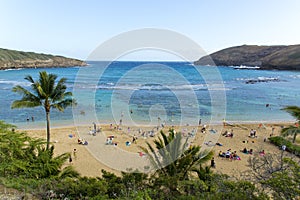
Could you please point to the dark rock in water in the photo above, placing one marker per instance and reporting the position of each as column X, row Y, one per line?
column 264, row 57
column 262, row 80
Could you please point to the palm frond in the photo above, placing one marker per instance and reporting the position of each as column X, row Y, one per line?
column 29, row 78
column 24, row 104
column 69, row 172
column 47, row 81
column 22, row 91
column 41, row 92
column 288, row 131
column 153, row 156
column 26, row 95
column 294, row 111
column 205, row 156
column 59, row 91
column 64, row 104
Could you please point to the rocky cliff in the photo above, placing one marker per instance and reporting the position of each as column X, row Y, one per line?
column 11, row 59
column 265, row 57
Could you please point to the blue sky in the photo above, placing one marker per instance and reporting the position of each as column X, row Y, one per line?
column 75, row 28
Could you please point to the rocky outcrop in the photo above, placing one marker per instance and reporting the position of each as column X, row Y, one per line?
column 11, row 59
column 265, row 57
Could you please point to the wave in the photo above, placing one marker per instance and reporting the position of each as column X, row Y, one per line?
column 295, row 76
column 260, row 79
column 245, row 67
column 13, row 69
column 154, row 87
column 14, row 83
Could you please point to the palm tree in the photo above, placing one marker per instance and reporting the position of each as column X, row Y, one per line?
column 46, row 93
column 22, row 156
column 293, row 130
column 174, row 160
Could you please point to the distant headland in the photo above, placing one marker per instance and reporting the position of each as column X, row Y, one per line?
column 12, row 59
column 264, row 57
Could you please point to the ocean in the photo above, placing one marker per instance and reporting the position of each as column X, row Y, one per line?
column 152, row 93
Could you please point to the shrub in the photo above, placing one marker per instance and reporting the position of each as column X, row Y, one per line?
column 290, row 147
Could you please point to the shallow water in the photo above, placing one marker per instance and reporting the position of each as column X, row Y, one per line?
column 152, row 93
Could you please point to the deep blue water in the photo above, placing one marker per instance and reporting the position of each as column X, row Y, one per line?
column 154, row 92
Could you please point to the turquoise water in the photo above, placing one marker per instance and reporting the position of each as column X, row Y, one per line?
column 159, row 92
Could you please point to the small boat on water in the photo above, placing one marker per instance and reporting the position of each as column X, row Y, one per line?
column 246, row 67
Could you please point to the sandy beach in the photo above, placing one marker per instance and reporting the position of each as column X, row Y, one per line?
column 90, row 159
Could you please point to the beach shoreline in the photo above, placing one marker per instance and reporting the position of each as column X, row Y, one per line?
column 33, row 126
column 97, row 155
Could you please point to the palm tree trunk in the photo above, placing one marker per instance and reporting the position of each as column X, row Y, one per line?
column 48, row 128
column 295, row 135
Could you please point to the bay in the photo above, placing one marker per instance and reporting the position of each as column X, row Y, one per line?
column 150, row 93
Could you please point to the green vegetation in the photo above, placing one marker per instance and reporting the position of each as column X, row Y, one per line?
column 11, row 59
column 276, row 174
column 290, row 147
column 173, row 160
column 11, row 55
column 25, row 157
column 293, row 130
column 277, row 57
column 182, row 173
column 295, row 55
column 34, row 170
column 46, row 93
column 285, row 183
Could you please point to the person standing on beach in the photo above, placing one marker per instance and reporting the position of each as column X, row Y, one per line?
column 199, row 122
column 272, row 133
column 75, row 153
column 70, row 160
column 134, row 138
column 212, row 163
column 224, row 122
column 95, row 127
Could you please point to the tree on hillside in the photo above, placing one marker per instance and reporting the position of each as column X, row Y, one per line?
column 292, row 130
column 46, row 93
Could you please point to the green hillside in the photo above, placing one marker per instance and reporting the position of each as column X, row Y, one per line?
column 265, row 57
column 19, row 59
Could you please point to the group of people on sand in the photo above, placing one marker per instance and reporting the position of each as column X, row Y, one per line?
column 250, row 152
column 95, row 130
column 246, row 151
column 229, row 154
column 203, row 129
column 109, row 140
column 252, row 133
column 82, row 141
column 228, row 133
column 134, row 140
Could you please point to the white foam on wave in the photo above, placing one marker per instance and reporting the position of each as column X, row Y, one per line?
column 14, row 83
column 158, row 87
column 13, row 69
column 295, row 76
column 263, row 78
